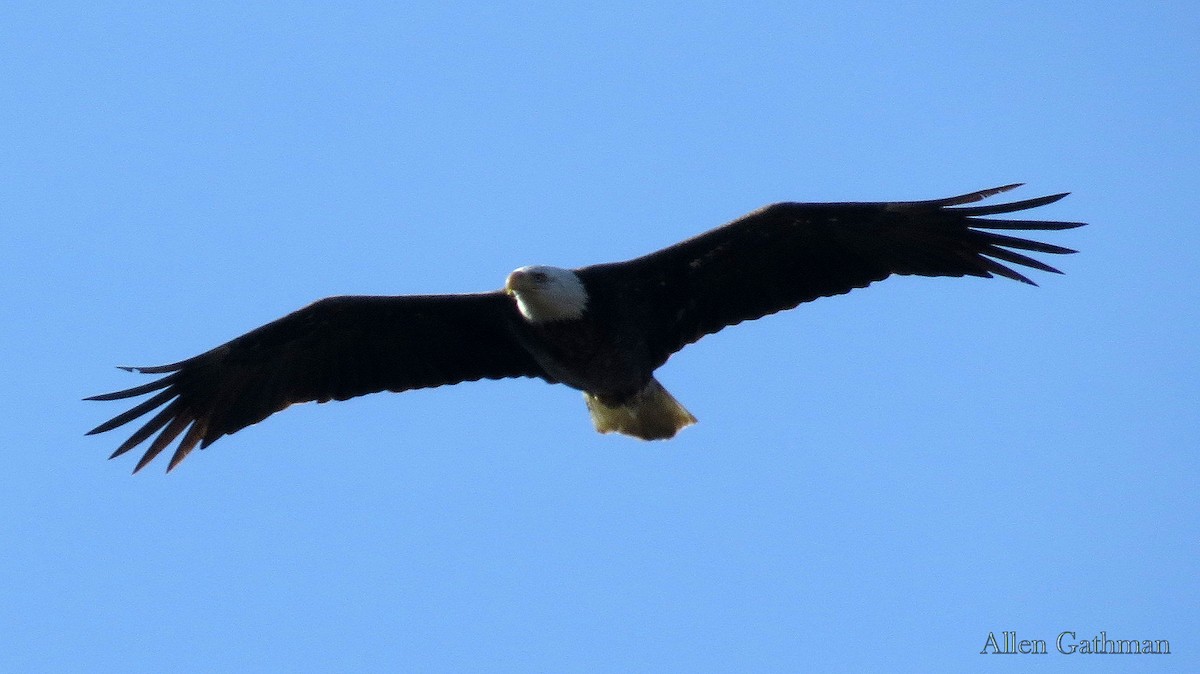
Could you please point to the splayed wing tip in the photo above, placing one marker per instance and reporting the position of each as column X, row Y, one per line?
column 980, row 195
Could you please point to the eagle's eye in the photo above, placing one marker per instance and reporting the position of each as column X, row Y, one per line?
column 540, row 277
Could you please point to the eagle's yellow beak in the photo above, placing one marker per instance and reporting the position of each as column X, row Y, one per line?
column 518, row 280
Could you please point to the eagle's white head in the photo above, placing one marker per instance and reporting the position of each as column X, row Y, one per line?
column 547, row 293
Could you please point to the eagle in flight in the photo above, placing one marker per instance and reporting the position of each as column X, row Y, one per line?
column 602, row 329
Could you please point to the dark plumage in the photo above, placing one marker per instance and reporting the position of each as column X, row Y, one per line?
column 603, row 329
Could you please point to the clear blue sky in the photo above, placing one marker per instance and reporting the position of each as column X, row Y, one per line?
column 877, row 481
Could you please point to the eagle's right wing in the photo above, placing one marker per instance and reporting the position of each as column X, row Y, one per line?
column 333, row 349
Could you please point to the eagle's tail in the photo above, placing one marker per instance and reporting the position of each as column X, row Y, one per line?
column 651, row 414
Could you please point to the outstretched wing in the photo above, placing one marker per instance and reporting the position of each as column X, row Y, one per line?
column 788, row 253
column 333, row 349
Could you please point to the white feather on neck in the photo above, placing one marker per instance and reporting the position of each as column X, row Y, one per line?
column 547, row 293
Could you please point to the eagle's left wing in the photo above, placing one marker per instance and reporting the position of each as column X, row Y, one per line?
column 788, row 253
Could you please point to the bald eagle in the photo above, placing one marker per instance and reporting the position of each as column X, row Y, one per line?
column 602, row 329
